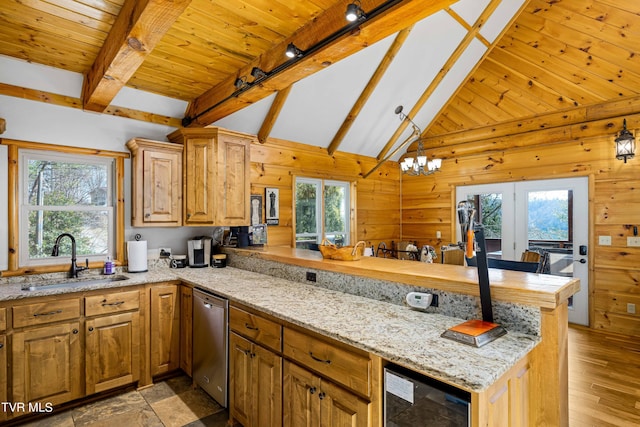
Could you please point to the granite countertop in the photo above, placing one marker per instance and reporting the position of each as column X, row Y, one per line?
column 396, row 333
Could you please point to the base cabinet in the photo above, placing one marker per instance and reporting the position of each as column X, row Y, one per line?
column 3, row 376
column 186, row 329
column 255, row 384
column 47, row 364
column 112, row 351
column 310, row 401
column 165, row 328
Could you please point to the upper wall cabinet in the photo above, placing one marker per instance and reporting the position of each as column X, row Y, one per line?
column 216, row 176
column 156, row 193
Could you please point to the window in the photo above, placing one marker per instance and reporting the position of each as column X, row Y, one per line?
column 322, row 211
column 65, row 193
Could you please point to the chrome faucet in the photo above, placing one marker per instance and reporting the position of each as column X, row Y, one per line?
column 74, row 270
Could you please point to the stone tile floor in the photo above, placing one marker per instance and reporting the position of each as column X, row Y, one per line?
column 171, row 403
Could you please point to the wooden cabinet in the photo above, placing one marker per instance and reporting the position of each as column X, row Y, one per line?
column 341, row 365
column 165, row 328
column 112, row 340
column 46, row 353
column 341, row 396
column 47, row 364
column 186, row 329
column 216, row 176
column 310, row 400
column 255, row 384
column 156, row 176
column 255, row 372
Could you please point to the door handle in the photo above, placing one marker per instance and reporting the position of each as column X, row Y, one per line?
column 581, row 260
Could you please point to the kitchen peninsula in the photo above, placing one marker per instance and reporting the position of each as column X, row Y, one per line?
column 503, row 377
column 547, row 295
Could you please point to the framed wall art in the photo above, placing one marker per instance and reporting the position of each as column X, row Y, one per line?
column 256, row 209
column 272, row 206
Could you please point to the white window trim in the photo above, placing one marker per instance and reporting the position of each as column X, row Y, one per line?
column 24, row 155
column 319, row 185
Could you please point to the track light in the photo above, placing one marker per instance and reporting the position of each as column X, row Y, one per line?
column 257, row 73
column 241, row 83
column 354, row 12
column 293, row 51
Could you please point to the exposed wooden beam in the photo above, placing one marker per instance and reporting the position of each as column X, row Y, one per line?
column 584, row 122
column 223, row 99
column 272, row 115
column 136, row 31
column 69, row 101
column 369, row 88
column 457, row 53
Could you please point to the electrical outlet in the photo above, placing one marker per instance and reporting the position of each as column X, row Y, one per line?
column 604, row 240
column 631, row 308
column 633, row 241
column 311, row 277
column 165, row 252
column 438, row 234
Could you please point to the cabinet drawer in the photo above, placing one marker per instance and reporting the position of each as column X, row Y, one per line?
column 96, row 305
column 3, row 319
column 351, row 369
column 256, row 328
column 45, row 312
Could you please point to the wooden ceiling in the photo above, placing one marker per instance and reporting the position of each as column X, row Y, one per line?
column 557, row 55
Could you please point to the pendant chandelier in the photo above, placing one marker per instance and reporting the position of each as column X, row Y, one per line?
column 419, row 165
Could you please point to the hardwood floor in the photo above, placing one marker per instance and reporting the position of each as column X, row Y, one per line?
column 604, row 379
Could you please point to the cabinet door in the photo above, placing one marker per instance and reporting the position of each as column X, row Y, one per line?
column 112, row 351
column 199, row 181
column 165, row 329
column 162, row 187
column 46, row 364
column 239, row 379
column 266, row 380
column 186, row 329
column 232, row 188
column 301, row 405
column 340, row 408
column 3, row 374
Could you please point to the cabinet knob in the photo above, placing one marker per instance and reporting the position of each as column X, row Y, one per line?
column 90, row 328
column 188, row 215
column 147, row 215
column 321, row 395
column 75, row 331
column 312, row 390
column 1, row 345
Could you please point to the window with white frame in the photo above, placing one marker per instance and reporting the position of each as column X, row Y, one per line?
column 65, row 193
column 322, row 211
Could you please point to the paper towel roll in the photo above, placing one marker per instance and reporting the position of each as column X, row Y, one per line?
column 137, row 255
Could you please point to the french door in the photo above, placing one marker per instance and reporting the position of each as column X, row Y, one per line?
column 549, row 216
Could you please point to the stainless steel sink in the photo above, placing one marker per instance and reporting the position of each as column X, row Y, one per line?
column 73, row 283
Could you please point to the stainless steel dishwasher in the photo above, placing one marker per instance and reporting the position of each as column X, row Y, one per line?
column 210, row 344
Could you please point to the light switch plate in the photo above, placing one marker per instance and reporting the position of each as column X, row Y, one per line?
column 604, row 240
column 633, row 241
column 631, row 308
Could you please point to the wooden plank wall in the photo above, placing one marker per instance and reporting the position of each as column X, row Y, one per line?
column 584, row 150
column 276, row 163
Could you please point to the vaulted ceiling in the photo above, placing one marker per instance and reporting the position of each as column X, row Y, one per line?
column 454, row 66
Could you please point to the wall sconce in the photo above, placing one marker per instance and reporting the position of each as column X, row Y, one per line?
column 354, row 12
column 625, row 144
column 293, row 51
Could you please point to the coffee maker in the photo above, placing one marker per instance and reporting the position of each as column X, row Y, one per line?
column 199, row 251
